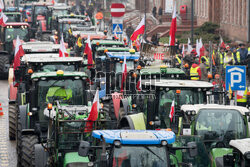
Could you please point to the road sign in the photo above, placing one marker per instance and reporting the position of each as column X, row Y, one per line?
column 117, row 10
column 236, row 77
column 117, row 28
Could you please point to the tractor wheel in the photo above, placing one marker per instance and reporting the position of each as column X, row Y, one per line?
column 12, row 121
column 28, row 150
column 109, row 108
column 3, row 72
column 18, row 139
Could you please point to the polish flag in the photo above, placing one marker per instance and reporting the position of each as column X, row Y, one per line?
column 139, row 30
column 222, row 44
column 171, row 114
column 88, row 51
column 93, row 115
column 202, row 49
column 124, row 73
column 3, row 19
column 173, row 27
column 138, row 85
column 190, row 48
column 19, row 52
column 1, row 5
column 183, row 50
column 62, row 51
column 197, row 47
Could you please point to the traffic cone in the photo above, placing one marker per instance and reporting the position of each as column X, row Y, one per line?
column 1, row 109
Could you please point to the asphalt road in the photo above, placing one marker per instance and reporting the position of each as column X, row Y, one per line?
column 7, row 148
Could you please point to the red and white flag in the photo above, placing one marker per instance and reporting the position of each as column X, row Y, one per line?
column 19, row 52
column 171, row 114
column 222, row 44
column 202, row 49
column 93, row 115
column 3, row 19
column 173, row 27
column 88, row 51
column 62, row 51
column 183, row 50
column 1, row 5
column 138, row 85
column 139, row 30
column 190, row 48
column 124, row 73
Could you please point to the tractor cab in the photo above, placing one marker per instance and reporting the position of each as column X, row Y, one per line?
column 102, row 51
column 40, row 47
column 240, row 157
column 90, row 31
column 13, row 16
column 59, row 10
column 133, row 148
column 217, row 125
column 95, row 44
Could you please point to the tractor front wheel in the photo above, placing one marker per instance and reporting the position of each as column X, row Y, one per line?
column 4, row 60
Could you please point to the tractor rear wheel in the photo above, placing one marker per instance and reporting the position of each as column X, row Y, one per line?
column 28, row 150
column 12, row 121
column 109, row 108
column 3, row 72
column 18, row 139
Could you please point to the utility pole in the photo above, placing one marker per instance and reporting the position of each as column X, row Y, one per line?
column 192, row 22
column 145, row 15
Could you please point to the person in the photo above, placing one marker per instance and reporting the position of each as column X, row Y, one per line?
column 206, row 58
column 154, row 11
column 129, row 31
column 218, row 87
column 160, row 14
column 178, row 59
column 195, row 71
column 229, row 58
column 242, row 98
column 203, row 68
column 234, row 50
column 154, row 39
column 79, row 46
column 241, row 53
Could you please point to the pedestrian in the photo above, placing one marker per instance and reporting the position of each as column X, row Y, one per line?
column 218, row 89
column 195, row 71
column 242, row 98
column 79, row 46
column 203, row 68
column 154, row 11
column 229, row 58
column 160, row 14
column 129, row 31
column 241, row 53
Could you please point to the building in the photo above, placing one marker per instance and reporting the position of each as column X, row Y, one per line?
column 231, row 15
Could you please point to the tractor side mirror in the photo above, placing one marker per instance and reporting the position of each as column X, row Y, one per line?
column 83, row 149
column 192, row 149
column 228, row 160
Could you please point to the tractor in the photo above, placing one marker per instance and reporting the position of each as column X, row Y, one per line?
column 69, row 88
column 7, row 44
column 217, row 125
column 133, row 148
column 13, row 17
column 240, row 157
column 156, row 99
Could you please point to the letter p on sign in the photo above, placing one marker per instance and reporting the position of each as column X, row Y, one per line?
column 235, row 78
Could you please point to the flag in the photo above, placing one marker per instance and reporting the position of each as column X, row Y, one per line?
column 190, row 48
column 3, row 19
column 124, row 72
column 1, row 5
column 197, row 47
column 171, row 114
column 222, row 44
column 93, row 115
column 139, row 30
column 173, row 27
column 88, row 51
column 183, row 50
column 138, row 85
column 230, row 92
column 19, row 52
column 62, row 51
column 202, row 49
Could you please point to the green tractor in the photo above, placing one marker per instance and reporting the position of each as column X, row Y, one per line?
column 69, row 88
column 155, row 101
column 133, row 148
column 217, row 125
column 13, row 17
column 240, row 157
column 8, row 36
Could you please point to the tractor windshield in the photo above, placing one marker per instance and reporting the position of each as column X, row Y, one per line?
column 56, row 67
column 140, row 156
column 12, row 32
column 220, row 125
column 67, row 91
column 60, row 12
column 14, row 18
column 130, row 66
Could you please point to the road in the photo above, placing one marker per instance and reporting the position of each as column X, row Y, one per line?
column 7, row 148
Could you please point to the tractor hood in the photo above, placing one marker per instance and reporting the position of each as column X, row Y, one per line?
column 217, row 155
column 74, row 158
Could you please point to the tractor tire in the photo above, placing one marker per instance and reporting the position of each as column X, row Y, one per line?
column 109, row 108
column 28, row 150
column 18, row 139
column 3, row 72
column 12, row 121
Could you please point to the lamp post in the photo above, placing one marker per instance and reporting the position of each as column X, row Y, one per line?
column 192, row 22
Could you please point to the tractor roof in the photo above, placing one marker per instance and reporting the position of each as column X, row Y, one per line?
column 54, row 74
column 121, row 55
column 135, row 137
column 107, row 42
column 60, row 7
column 72, row 16
column 50, row 58
column 12, row 13
column 150, row 71
column 122, row 49
column 198, row 107
column 40, row 46
column 177, row 83
column 16, row 24
column 243, row 145
column 71, row 20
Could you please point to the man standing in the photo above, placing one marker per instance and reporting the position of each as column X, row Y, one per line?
column 203, row 68
column 195, row 71
column 241, row 54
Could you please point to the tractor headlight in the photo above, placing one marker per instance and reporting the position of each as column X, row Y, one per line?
column 164, row 142
column 117, row 143
column 247, row 155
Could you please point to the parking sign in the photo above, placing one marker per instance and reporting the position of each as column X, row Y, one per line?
column 236, row 77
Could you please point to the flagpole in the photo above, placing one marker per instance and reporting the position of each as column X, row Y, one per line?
column 145, row 15
column 192, row 22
